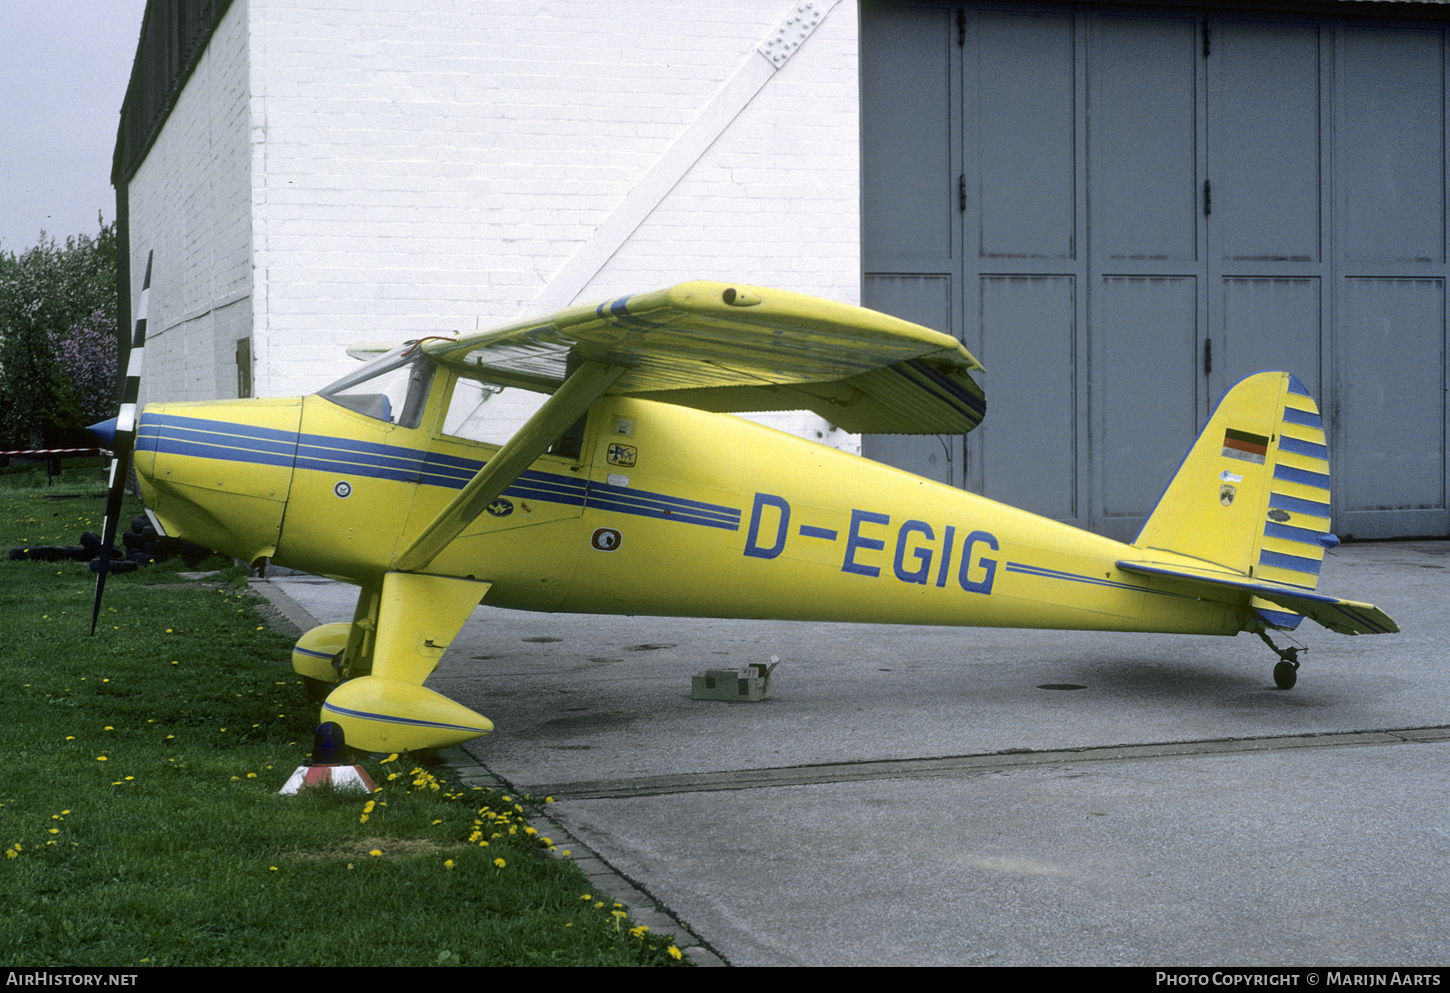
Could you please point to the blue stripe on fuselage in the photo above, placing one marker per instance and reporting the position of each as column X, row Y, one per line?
column 231, row 442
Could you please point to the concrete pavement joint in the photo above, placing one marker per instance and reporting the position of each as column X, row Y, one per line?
column 958, row 765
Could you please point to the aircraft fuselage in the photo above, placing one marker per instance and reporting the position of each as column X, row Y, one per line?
column 665, row 511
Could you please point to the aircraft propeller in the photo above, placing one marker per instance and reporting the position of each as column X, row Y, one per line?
column 120, row 432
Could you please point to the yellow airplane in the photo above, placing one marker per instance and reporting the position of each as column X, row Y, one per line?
column 629, row 492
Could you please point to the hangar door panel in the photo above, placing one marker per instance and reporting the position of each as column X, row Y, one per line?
column 1268, row 268
column 1021, row 136
column 1029, row 454
column 1389, row 448
column 1021, row 260
column 1147, row 394
column 1147, row 237
column 1143, row 136
column 1394, row 357
column 1391, row 146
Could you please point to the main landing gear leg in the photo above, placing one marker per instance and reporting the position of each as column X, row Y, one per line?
column 1286, row 672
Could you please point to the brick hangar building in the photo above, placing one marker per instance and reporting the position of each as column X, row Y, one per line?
column 1120, row 209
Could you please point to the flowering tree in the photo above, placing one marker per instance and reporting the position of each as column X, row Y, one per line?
column 85, row 361
column 56, row 302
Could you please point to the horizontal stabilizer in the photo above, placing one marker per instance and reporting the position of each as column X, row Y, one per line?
column 1340, row 616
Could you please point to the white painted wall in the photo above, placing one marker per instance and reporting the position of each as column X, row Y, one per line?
column 190, row 203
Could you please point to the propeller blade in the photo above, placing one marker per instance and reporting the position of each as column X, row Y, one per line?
column 125, row 439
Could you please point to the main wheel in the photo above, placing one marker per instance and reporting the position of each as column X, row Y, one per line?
column 1286, row 674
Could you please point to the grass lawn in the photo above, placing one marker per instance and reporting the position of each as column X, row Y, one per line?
column 139, row 811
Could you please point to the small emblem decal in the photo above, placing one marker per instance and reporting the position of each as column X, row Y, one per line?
column 501, row 508
column 1226, row 494
column 1278, row 515
column 343, row 490
column 606, row 539
column 622, row 455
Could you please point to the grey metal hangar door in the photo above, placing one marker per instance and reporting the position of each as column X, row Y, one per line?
column 1123, row 213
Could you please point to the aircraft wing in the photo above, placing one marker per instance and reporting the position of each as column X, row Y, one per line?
column 1340, row 616
column 733, row 348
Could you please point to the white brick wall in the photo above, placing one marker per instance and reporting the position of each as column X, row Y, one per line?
column 431, row 166
column 190, row 202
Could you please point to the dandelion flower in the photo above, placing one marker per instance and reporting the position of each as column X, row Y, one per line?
column 500, row 863
column 448, row 864
column 375, row 852
column 674, row 952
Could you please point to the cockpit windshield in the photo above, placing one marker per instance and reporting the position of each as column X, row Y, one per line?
column 391, row 388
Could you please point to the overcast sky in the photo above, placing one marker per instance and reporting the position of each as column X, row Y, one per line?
column 64, row 65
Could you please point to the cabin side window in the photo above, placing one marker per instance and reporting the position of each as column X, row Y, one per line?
column 492, row 414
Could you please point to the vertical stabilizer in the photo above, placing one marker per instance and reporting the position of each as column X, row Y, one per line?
column 1252, row 496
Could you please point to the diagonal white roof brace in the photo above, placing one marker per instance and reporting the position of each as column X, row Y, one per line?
column 732, row 97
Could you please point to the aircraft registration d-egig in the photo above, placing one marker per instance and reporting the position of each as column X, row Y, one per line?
column 630, row 491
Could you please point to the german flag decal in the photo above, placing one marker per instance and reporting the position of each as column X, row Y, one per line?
column 1245, row 446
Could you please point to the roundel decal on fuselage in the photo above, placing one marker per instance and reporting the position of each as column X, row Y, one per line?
column 606, row 539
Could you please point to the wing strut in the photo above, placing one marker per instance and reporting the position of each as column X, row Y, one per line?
column 585, row 384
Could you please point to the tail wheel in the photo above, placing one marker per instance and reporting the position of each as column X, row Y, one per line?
column 1286, row 674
